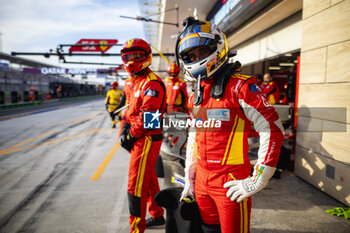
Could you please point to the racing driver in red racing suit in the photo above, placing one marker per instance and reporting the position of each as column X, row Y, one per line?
column 177, row 97
column 147, row 97
column 218, row 169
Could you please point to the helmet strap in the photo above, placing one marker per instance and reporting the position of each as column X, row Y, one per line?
column 198, row 92
column 222, row 78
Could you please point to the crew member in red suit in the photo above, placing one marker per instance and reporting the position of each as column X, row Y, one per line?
column 176, row 90
column 218, row 170
column 270, row 88
column 125, row 99
column 142, row 134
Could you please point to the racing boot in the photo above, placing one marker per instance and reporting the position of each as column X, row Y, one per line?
column 151, row 222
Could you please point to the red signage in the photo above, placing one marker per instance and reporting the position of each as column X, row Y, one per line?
column 90, row 45
column 120, row 67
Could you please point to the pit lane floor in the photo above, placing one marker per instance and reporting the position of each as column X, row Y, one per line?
column 62, row 170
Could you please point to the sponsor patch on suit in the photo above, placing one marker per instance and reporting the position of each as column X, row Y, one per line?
column 151, row 92
column 218, row 114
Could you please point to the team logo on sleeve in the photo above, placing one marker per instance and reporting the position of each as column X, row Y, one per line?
column 151, row 120
column 254, row 88
column 151, row 92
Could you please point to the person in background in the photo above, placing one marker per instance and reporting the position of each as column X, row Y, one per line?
column 59, row 91
column 217, row 171
column 142, row 134
column 285, row 99
column 112, row 100
column 270, row 88
column 289, row 88
column 125, row 99
column 259, row 79
column 176, row 90
column 48, row 96
column 31, row 94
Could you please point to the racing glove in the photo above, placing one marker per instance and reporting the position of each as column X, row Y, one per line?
column 127, row 140
column 190, row 168
column 125, row 130
column 238, row 190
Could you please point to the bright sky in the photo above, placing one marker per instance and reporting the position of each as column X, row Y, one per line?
column 41, row 25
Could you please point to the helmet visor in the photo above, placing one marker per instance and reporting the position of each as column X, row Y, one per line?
column 196, row 47
column 173, row 74
column 134, row 56
column 196, row 54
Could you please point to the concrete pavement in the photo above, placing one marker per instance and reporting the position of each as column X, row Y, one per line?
column 21, row 109
column 290, row 205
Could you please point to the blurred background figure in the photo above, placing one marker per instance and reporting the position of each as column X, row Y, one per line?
column 270, row 88
column 48, row 96
column 125, row 99
column 112, row 100
column 176, row 90
column 31, row 94
column 285, row 99
column 59, row 91
column 289, row 88
column 259, row 79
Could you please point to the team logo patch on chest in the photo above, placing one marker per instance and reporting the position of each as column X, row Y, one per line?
column 175, row 87
column 219, row 114
column 151, row 92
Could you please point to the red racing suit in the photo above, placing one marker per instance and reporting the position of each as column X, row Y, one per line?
column 177, row 96
column 148, row 95
column 127, row 89
column 272, row 92
column 222, row 153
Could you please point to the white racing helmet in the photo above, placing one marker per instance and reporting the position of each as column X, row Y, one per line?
column 202, row 48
